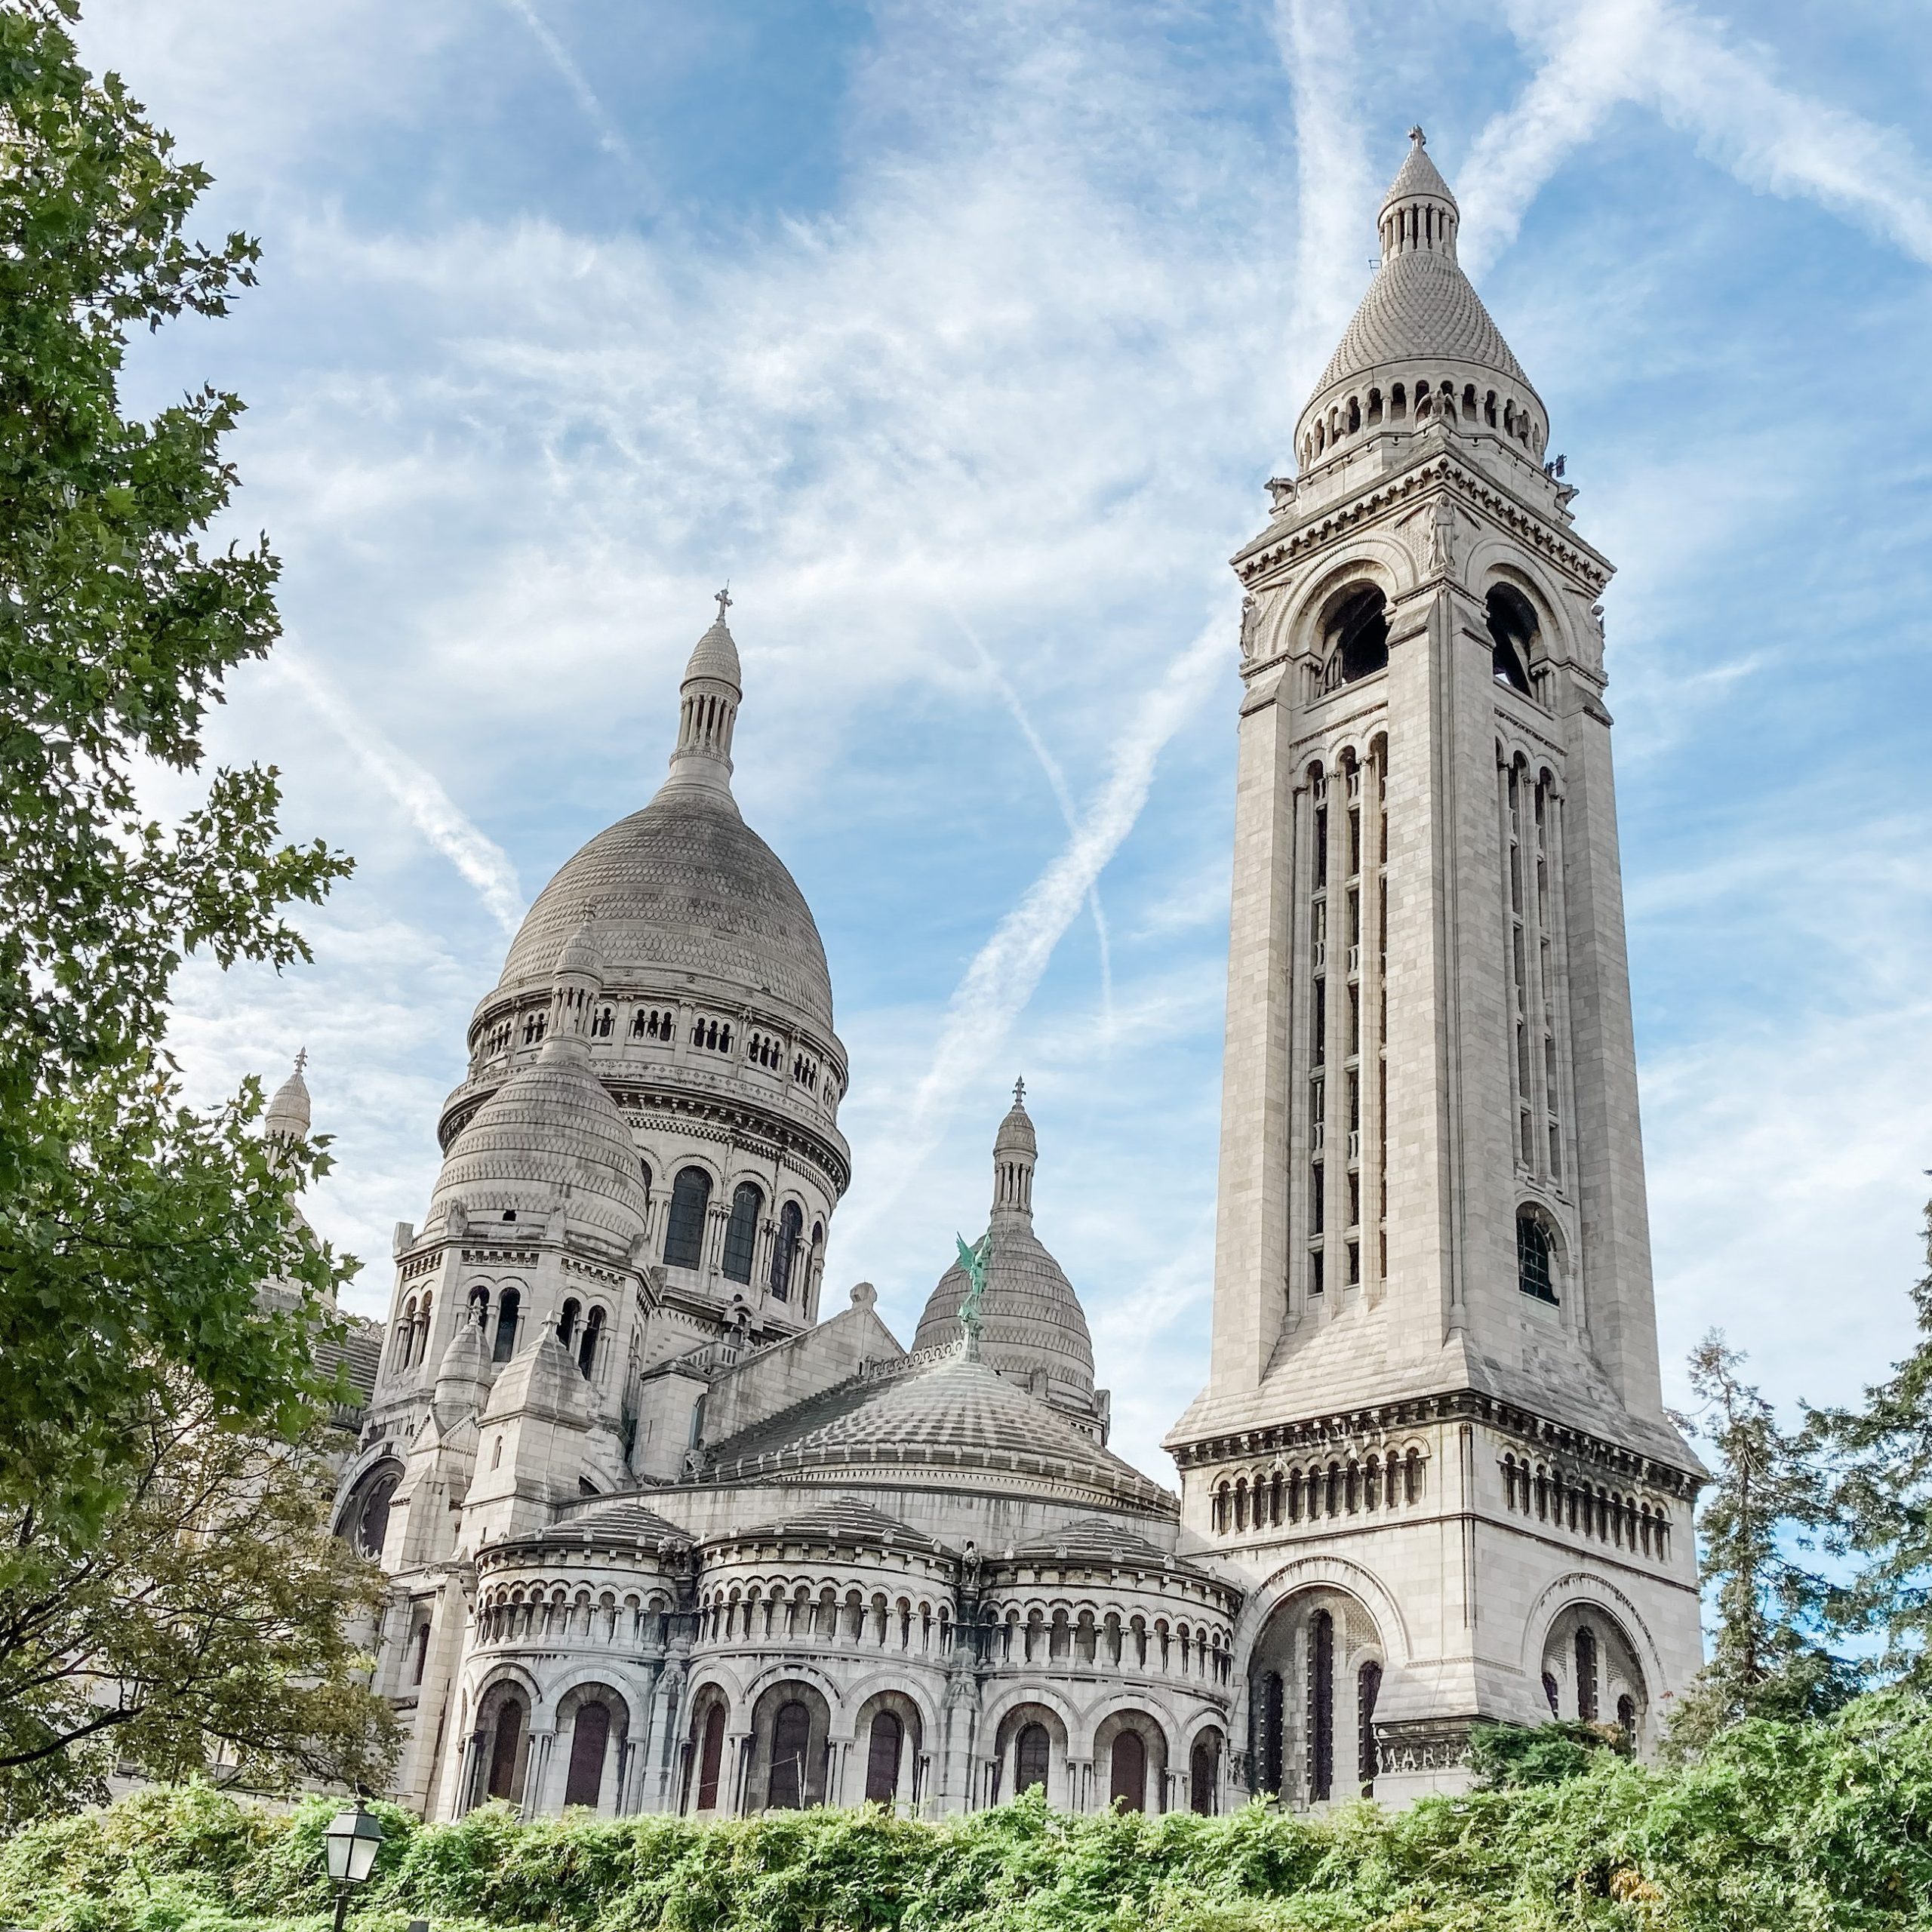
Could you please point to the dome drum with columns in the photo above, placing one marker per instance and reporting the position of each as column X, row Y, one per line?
column 664, row 1535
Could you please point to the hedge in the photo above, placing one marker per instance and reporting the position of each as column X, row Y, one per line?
column 1822, row 1827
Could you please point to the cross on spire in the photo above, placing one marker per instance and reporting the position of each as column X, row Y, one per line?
column 723, row 600
column 301, row 1058
column 1019, row 1092
column 1417, row 135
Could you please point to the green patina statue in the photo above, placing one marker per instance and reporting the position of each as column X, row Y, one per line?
column 974, row 1259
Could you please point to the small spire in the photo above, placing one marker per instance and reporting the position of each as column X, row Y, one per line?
column 708, row 708
column 1417, row 135
column 301, row 1058
column 1019, row 1091
column 722, row 598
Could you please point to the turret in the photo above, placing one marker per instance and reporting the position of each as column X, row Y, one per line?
column 708, row 708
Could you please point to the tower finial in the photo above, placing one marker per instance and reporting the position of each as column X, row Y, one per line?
column 1417, row 135
column 1020, row 1092
column 301, row 1058
column 723, row 599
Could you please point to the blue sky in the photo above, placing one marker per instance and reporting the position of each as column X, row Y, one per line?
column 962, row 339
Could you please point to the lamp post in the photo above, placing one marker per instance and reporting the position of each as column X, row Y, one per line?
column 351, row 1843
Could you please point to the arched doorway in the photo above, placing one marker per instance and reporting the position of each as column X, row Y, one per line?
column 888, row 1734
column 706, row 1770
column 590, row 1740
column 1029, row 1752
column 1203, row 1773
column 501, row 1744
column 1130, row 1753
column 788, row 1749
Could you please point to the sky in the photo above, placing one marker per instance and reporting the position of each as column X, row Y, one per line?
column 961, row 339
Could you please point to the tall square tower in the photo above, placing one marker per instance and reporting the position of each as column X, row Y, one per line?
column 1433, row 1442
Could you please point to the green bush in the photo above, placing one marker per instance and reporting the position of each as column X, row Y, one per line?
column 1823, row 1827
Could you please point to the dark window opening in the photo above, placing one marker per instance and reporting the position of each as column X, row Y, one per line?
column 1534, row 1275
column 882, row 1759
column 1368, row 1687
column 590, row 1738
column 1586, row 1674
column 1202, row 1768
column 711, row 1756
column 508, row 1309
column 1032, row 1754
column 1512, row 629
column 784, row 1255
column 1357, row 639
column 791, row 1737
column 1321, row 1700
column 593, row 1333
column 741, row 1232
column 1127, row 1772
column 684, row 1235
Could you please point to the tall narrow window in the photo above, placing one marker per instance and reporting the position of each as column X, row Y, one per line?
column 784, row 1254
column 1627, row 1722
column 1032, row 1754
column 711, row 1759
column 791, row 1739
column 593, row 1333
column 684, row 1235
column 590, row 1738
column 741, row 1232
column 1512, row 628
column 1273, row 1722
column 504, row 1749
column 1534, row 1275
column 1368, row 1687
column 1356, row 639
column 1128, row 1780
column 508, row 1309
column 1586, row 1674
column 882, row 1755
column 1321, row 1706
column 1203, row 1773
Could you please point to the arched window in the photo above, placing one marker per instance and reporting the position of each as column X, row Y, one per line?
column 791, row 1738
column 420, row 1347
column 1549, row 1692
column 882, row 1754
column 1626, row 1722
column 1273, row 1722
column 593, row 1333
column 1512, row 628
column 710, row 1758
column 1534, row 1274
column 1368, row 1687
column 741, row 1232
column 684, row 1235
column 1321, row 1706
column 421, row 1650
column 1128, row 1771
column 1032, row 1752
column 567, row 1320
column 590, row 1738
column 791, row 1238
column 504, row 1749
column 1203, row 1766
column 370, row 1525
column 1586, row 1674
column 1355, row 638
column 508, row 1308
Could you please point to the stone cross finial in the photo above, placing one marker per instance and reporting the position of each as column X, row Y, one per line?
column 1417, row 135
column 723, row 597
column 301, row 1058
column 1019, row 1092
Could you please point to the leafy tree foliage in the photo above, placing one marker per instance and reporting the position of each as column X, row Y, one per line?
column 206, row 1630
column 132, row 1229
column 1512, row 1757
column 1879, row 1461
column 1759, row 1518
column 1815, row 1827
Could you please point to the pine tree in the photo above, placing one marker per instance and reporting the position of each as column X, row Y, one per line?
column 1879, row 1459
column 1761, row 1514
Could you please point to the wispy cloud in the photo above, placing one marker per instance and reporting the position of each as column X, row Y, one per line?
column 1667, row 57
column 1334, row 190
column 1004, row 972
column 1063, row 797
column 424, row 803
column 609, row 138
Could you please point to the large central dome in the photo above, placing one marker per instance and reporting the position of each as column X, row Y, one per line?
column 683, row 886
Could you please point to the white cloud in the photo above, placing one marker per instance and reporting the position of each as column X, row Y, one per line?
column 423, row 800
column 1665, row 56
column 609, row 137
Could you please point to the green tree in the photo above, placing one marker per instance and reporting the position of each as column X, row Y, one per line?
column 133, row 1228
column 1879, row 1460
column 206, row 1630
column 1759, row 1516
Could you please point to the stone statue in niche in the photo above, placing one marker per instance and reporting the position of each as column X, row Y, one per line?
column 1441, row 555
column 1250, row 627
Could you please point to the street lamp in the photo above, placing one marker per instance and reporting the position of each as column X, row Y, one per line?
column 351, row 1843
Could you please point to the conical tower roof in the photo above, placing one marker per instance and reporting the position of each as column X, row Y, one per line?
column 1422, row 325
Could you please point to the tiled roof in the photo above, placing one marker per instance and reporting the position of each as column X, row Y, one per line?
column 951, row 1414
column 1102, row 1542
column 845, row 1519
column 1420, row 306
column 614, row 1516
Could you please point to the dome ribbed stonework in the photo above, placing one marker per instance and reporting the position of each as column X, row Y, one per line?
column 932, row 1417
column 1420, row 307
column 1031, row 1318
column 684, row 887
column 550, row 1126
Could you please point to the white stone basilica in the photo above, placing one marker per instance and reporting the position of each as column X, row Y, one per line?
column 664, row 1537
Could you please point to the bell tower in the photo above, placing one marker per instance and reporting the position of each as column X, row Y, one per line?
column 1433, row 1443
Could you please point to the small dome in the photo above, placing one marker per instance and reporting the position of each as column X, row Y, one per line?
column 952, row 1415
column 550, row 1126
column 715, row 655
column 288, row 1118
column 1017, row 1134
column 1031, row 1318
column 684, row 886
column 1418, row 178
column 580, row 959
